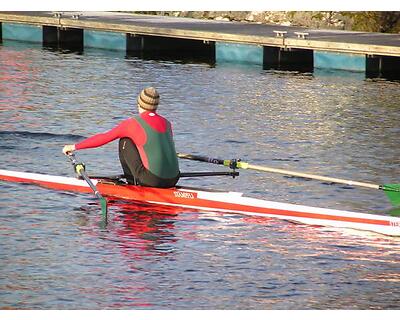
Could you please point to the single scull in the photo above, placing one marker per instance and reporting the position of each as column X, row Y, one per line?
column 217, row 201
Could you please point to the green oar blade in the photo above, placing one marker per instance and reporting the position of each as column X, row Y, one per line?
column 393, row 193
column 103, row 203
column 394, row 212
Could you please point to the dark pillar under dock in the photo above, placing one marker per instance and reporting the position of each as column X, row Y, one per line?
column 383, row 66
column 63, row 38
column 159, row 47
column 290, row 60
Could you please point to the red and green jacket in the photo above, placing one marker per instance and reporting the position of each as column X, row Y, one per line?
column 152, row 135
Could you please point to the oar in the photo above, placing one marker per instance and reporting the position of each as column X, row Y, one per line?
column 80, row 170
column 391, row 190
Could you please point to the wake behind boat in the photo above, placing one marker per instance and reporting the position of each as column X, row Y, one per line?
column 217, row 201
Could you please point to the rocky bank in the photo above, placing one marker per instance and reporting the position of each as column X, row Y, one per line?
column 309, row 19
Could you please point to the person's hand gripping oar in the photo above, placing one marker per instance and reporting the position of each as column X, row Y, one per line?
column 79, row 168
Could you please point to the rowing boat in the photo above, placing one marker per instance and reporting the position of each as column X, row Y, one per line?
column 217, row 201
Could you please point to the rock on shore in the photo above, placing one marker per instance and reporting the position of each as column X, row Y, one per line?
column 310, row 19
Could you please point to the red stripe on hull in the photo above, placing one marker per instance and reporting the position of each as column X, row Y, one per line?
column 48, row 184
column 168, row 196
column 181, row 197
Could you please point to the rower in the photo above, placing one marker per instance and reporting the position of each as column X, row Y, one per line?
column 146, row 146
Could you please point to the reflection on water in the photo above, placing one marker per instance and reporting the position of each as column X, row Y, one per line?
column 144, row 229
column 56, row 254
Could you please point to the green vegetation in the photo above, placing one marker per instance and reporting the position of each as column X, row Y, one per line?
column 368, row 21
column 372, row 21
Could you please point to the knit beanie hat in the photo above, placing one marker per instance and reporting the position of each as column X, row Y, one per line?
column 149, row 99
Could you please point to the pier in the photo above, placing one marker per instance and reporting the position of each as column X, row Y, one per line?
column 269, row 46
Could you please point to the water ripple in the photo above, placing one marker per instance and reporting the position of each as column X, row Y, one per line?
column 57, row 253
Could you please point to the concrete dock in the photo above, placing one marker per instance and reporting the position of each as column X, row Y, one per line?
column 266, row 45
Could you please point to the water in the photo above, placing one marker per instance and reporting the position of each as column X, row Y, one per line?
column 56, row 254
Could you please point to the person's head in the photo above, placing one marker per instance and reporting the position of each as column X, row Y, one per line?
column 148, row 99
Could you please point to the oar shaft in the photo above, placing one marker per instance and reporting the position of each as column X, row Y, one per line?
column 311, row 176
column 90, row 183
column 244, row 165
column 80, row 169
column 391, row 190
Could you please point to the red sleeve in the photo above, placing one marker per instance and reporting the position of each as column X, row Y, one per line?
column 102, row 138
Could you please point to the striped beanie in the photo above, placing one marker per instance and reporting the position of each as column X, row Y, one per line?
column 149, row 99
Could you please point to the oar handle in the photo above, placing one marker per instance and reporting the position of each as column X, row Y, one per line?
column 201, row 158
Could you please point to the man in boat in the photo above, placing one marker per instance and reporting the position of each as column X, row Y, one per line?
column 146, row 147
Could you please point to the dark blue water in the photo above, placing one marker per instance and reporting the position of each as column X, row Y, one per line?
column 55, row 253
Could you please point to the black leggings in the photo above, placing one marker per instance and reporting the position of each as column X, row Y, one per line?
column 134, row 170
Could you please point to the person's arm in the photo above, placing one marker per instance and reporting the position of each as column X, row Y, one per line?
column 97, row 140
